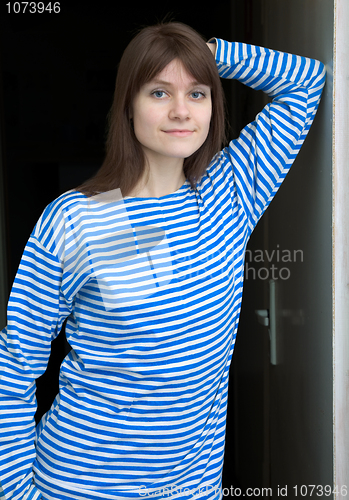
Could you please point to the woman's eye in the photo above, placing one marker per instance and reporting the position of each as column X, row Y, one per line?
column 158, row 94
column 197, row 94
column 161, row 94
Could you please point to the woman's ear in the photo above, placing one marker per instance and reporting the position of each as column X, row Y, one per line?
column 131, row 118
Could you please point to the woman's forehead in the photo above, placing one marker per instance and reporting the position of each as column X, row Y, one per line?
column 175, row 72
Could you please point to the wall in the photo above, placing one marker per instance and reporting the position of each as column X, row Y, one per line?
column 341, row 246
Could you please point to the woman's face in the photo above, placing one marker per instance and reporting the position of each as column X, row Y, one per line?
column 171, row 115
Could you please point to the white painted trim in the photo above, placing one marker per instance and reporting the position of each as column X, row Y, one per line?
column 341, row 246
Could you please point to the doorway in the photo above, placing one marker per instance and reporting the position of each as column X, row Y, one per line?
column 289, row 414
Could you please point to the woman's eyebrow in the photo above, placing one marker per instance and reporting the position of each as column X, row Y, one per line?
column 155, row 81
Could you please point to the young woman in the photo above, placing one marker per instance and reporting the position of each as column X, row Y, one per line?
column 146, row 262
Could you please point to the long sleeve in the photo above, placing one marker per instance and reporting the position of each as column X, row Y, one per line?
column 36, row 312
column 255, row 163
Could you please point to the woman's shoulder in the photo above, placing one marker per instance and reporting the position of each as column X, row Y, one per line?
column 66, row 201
column 54, row 213
column 218, row 175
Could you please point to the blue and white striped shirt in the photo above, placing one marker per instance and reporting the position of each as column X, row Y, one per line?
column 152, row 291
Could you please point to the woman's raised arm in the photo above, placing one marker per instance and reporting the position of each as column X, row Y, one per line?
column 254, row 164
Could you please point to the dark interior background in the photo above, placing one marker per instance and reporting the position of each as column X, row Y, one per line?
column 57, row 80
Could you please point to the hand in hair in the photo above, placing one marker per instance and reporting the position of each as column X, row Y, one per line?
column 212, row 46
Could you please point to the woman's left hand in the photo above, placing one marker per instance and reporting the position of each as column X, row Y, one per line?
column 212, row 46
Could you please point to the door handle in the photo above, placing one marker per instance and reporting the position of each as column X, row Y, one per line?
column 267, row 317
column 272, row 322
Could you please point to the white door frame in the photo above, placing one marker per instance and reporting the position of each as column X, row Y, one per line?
column 341, row 246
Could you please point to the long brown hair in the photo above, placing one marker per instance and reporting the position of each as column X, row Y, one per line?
column 150, row 51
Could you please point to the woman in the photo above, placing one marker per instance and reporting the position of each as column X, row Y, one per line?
column 146, row 262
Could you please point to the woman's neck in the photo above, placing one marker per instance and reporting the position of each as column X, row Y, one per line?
column 159, row 181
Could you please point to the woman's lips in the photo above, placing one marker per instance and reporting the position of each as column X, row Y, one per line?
column 179, row 132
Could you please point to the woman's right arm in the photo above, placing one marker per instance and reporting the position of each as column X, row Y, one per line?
column 36, row 311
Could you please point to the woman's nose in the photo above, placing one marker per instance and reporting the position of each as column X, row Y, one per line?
column 179, row 109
